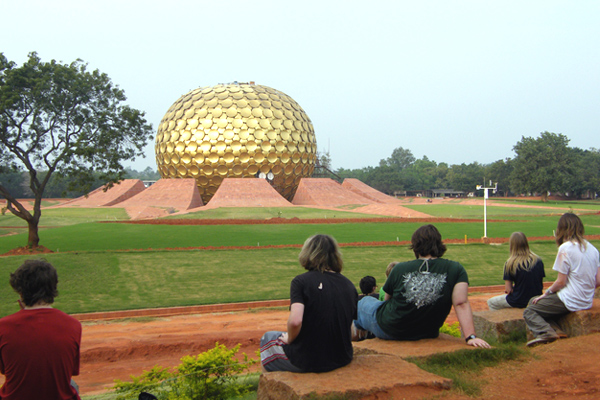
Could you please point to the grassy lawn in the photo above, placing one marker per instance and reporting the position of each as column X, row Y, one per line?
column 272, row 212
column 97, row 272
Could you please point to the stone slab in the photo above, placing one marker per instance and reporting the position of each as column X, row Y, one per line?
column 368, row 375
column 582, row 322
column 404, row 349
column 500, row 325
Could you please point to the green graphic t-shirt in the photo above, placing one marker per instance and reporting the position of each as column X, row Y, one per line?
column 421, row 299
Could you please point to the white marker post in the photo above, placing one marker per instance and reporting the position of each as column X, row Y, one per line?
column 485, row 197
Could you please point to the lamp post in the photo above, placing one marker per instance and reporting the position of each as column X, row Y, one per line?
column 485, row 197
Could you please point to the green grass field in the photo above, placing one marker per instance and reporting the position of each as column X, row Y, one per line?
column 98, row 271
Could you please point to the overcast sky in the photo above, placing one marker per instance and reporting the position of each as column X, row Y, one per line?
column 457, row 81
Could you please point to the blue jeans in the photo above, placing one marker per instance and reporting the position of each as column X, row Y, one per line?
column 367, row 317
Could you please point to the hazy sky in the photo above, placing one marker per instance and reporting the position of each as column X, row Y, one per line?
column 457, row 81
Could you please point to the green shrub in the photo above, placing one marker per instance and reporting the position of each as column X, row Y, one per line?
column 209, row 375
column 452, row 330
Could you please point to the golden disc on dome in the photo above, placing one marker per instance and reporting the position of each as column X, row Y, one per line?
column 291, row 146
column 189, row 113
column 285, row 135
column 213, row 134
column 252, row 169
column 209, row 95
column 257, row 112
column 202, row 113
column 244, row 134
column 251, row 145
column 185, row 135
column 277, row 168
column 167, row 158
column 245, row 112
column 285, row 157
column 251, row 96
column 222, row 169
column 222, row 123
column 195, row 95
column 180, row 147
column 259, row 157
column 178, row 114
column 174, row 159
column 271, row 134
column 254, row 103
column 199, row 158
column 276, row 123
column 267, row 112
column 234, row 88
column 298, row 169
column 259, row 134
column 207, row 170
column 181, row 124
column 217, row 112
column 242, row 103
column 265, row 146
column 288, row 124
column 199, row 103
column 172, row 170
column 236, row 146
column 263, row 96
column 252, row 123
column 213, row 157
column 237, row 170
column 265, row 123
column 219, row 89
column 170, row 147
column 203, row 180
column 295, row 158
column 192, row 123
column 288, row 169
column 231, row 112
column 194, row 170
column 228, row 157
column 237, row 123
column 228, row 134
column 182, row 170
column 272, row 157
column 280, row 146
column 223, row 96
column 205, row 146
column 207, row 123
column 186, row 158
column 244, row 157
column 296, row 136
column 301, row 148
column 220, row 146
column 237, row 95
column 277, row 104
column 212, row 103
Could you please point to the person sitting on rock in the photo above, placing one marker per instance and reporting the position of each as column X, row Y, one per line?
column 39, row 345
column 322, row 307
column 368, row 286
column 387, row 273
column 577, row 264
column 523, row 275
column 419, row 295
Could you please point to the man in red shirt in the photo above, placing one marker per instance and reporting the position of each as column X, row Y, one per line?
column 39, row 345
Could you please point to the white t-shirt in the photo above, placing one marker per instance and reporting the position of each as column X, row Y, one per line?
column 581, row 266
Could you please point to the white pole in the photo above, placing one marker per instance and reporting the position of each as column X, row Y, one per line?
column 485, row 196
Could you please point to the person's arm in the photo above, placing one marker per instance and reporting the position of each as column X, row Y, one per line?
column 387, row 297
column 294, row 323
column 598, row 278
column 559, row 283
column 462, row 307
column 508, row 287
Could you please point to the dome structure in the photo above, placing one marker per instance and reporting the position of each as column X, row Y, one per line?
column 236, row 130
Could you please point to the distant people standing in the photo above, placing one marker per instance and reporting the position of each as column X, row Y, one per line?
column 523, row 275
column 39, row 345
column 368, row 286
column 577, row 264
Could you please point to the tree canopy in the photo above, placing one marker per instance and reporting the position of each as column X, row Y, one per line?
column 63, row 119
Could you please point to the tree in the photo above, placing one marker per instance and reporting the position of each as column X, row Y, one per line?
column 499, row 171
column 60, row 118
column 400, row 159
column 543, row 165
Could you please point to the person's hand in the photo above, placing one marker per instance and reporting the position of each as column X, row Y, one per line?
column 284, row 337
column 477, row 342
column 538, row 298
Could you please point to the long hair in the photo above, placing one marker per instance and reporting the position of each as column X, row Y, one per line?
column 570, row 228
column 520, row 255
column 427, row 241
column 321, row 253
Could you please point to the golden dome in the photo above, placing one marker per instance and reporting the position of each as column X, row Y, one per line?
column 236, row 131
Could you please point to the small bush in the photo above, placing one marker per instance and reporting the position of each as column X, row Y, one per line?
column 452, row 330
column 213, row 374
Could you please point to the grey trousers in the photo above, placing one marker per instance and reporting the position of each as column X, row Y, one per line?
column 539, row 317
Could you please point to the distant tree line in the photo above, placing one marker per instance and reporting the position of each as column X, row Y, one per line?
column 541, row 165
column 58, row 186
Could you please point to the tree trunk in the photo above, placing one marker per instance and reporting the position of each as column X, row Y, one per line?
column 34, row 238
column 544, row 197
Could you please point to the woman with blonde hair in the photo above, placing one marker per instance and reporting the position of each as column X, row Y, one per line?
column 577, row 264
column 523, row 275
column 322, row 307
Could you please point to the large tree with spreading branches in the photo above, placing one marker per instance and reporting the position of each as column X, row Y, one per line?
column 62, row 119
